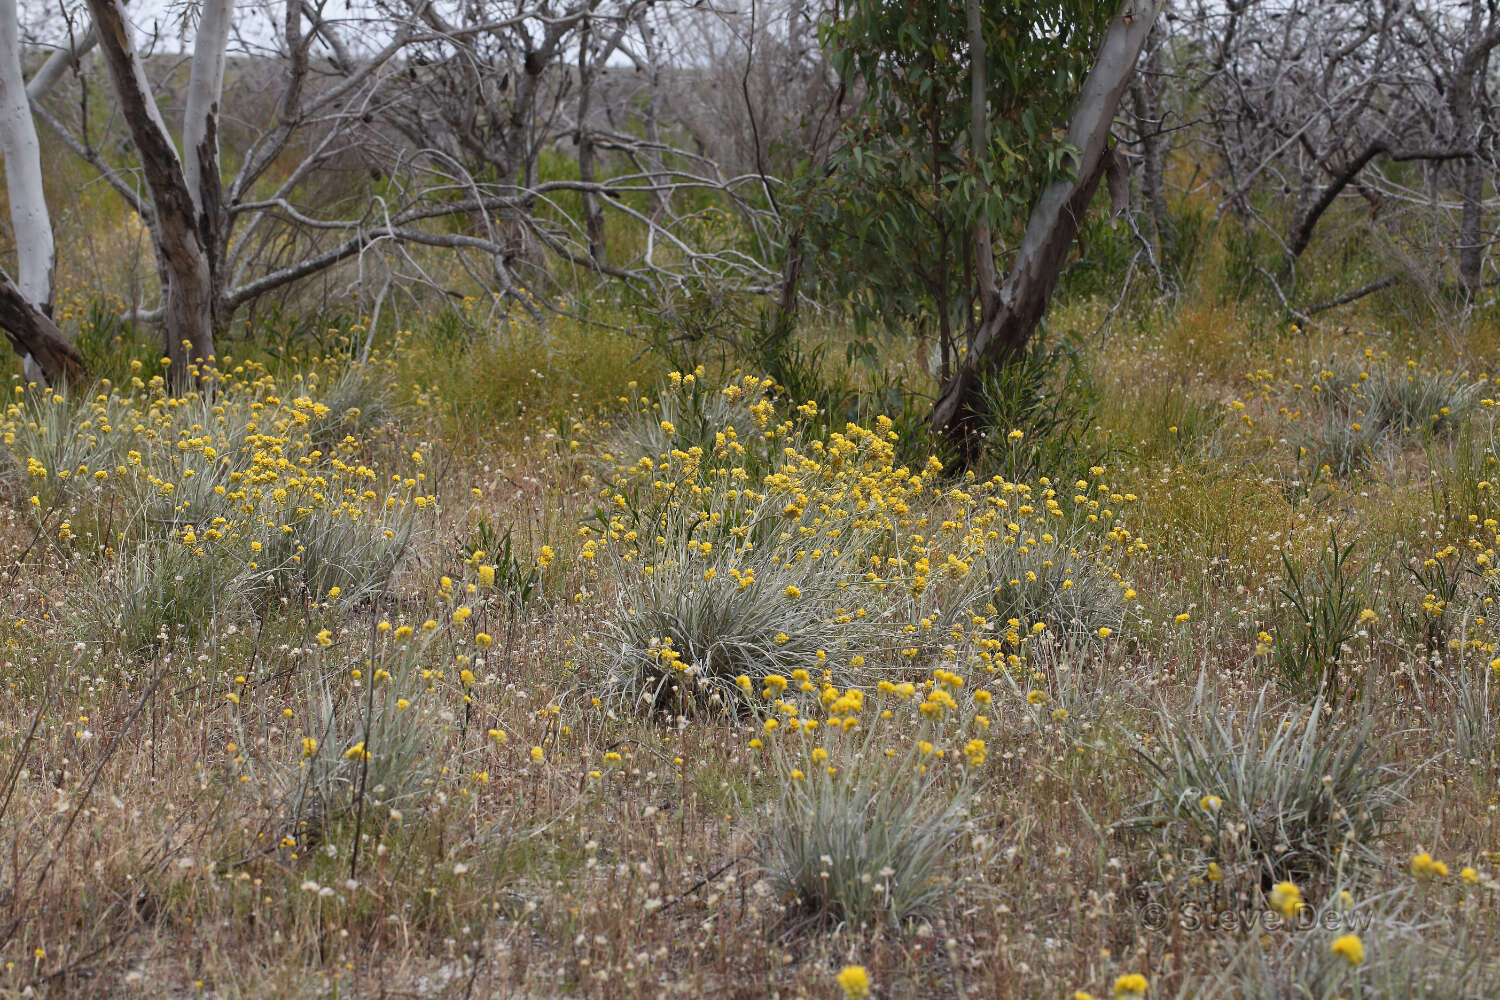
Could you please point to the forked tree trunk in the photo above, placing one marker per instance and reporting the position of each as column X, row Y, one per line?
column 1021, row 299
column 200, row 126
column 188, row 307
column 26, row 303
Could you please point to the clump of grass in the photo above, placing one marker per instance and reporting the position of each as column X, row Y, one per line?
column 1421, row 400
column 714, row 593
column 163, row 592
column 724, row 423
column 348, row 553
column 863, row 847
column 55, row 446
column 357, row 400
column 1398, row 954
column 1269, row 796
column 857, row 831
column 367, row 745
column 1341, row 441
column 679, row 641
column 1369, row 408
column 1474, row 719
column 1055, row 580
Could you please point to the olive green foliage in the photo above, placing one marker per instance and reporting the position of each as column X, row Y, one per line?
column 893, row 218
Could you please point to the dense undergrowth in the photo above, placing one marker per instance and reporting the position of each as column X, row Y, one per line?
column 514, row 663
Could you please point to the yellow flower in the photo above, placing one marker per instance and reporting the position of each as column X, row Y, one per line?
column 1131, row 986
column 325, row 638
column 309, row 746
column 1469, row 875
column 1351, row 947
column 536, row 753
column 1286, row 899
column 1210, row 803
column 855, row 982
column 486, row 576
column 793, row 592
column 1105, row 633
column 1423, row 866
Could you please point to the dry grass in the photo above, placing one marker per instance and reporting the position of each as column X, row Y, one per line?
column 159, row 837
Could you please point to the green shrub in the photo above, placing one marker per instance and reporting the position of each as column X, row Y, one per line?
column 1049, row 396
column 1320, row 615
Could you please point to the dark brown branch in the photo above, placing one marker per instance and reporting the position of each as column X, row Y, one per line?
column 32, row 332
column 1351, row 295
column 1302, row 228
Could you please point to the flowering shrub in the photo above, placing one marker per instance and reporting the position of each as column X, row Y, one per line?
column 233, row 475
column 869, row 814
column 836, row 558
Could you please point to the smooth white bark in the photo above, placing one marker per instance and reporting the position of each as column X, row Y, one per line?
column 58, row 63
column 36, row 253
column 200, row 125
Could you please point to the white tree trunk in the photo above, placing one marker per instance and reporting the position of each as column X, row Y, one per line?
column 58, row 63
column 200, row 124
column 36, row 254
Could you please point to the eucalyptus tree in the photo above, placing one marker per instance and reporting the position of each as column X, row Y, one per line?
column 959, row 165
column 1011, row 308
